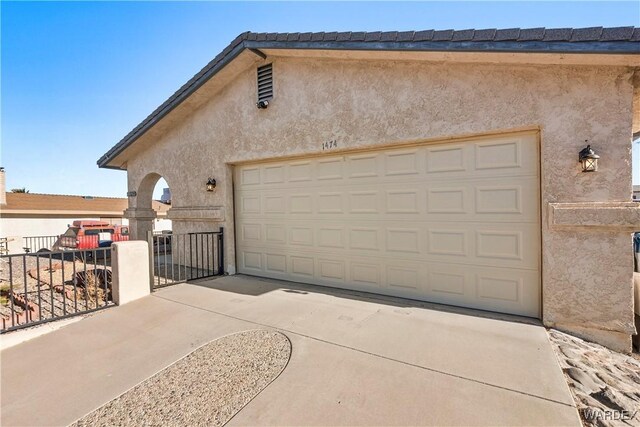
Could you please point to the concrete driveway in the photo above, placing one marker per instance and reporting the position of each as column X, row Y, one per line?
column 357, row 359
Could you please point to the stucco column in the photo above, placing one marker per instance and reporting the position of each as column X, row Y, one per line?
column 589, row 267
column 130, row 266
column 140, row 222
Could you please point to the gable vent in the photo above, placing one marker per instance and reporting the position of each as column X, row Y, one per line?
column 265, row 85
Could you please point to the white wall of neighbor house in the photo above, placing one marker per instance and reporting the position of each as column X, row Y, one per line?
column 586, row 258
column 16, row 229
column 50, row 226
column 115, row 221
column 55, row 226
column 36, row 226
column 160, row 224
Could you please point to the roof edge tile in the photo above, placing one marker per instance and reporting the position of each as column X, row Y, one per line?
column 599, row 36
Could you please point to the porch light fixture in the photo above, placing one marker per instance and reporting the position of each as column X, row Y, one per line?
column 211, row 184
column 589, row 159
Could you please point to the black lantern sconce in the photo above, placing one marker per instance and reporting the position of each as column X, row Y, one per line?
column 211, row 184
column 589, row 159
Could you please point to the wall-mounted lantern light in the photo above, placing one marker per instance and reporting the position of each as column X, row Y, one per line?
column 211, row 184
column 589, row 159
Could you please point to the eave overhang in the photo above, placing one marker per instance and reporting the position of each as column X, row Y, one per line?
column 618, row 52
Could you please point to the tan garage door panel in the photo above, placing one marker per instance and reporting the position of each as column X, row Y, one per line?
column 456, row 223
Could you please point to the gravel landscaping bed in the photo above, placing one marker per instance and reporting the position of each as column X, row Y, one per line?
column 207, row 387
column 605, row 384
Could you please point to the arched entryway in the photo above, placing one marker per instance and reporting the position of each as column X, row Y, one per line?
column 148, row 208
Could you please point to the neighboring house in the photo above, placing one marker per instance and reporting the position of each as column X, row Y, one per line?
column 434, row 165
column 166, row 196
column 30, row 214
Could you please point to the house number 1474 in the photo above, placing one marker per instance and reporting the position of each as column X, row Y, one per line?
column 330, row 144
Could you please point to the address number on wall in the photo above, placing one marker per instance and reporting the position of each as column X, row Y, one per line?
column 330, row 144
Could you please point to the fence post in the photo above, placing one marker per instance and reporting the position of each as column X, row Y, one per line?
column 15, row 244
column 129, row 271
column 221, row 252
column 190, row 256
column 151, row 261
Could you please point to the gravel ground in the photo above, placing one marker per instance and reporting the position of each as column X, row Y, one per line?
column 603, row 382
column 18, row 271
column 207, row 387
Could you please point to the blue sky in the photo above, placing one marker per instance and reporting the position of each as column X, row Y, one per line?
column 76, row 77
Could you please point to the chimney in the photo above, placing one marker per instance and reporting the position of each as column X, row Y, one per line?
column 3, row 188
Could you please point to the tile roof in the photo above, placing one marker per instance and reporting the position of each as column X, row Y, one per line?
column 527, row 40
column 490, row 34
column 57, row 204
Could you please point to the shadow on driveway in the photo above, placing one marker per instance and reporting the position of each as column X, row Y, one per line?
column 257, row 286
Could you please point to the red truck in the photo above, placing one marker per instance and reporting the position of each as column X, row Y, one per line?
column 91, row 235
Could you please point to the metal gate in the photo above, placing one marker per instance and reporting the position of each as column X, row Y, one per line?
column 177, row 258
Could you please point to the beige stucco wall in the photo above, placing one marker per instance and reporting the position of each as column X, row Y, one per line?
column 131, row 271
column 587, row 271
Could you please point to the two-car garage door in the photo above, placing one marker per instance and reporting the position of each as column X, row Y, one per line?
column 455, row 223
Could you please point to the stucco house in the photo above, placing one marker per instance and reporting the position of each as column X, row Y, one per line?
column 431, row 165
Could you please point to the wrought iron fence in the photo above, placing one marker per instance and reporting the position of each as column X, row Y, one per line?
column 37, row 243
column 45, row 286
column 177, row 258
